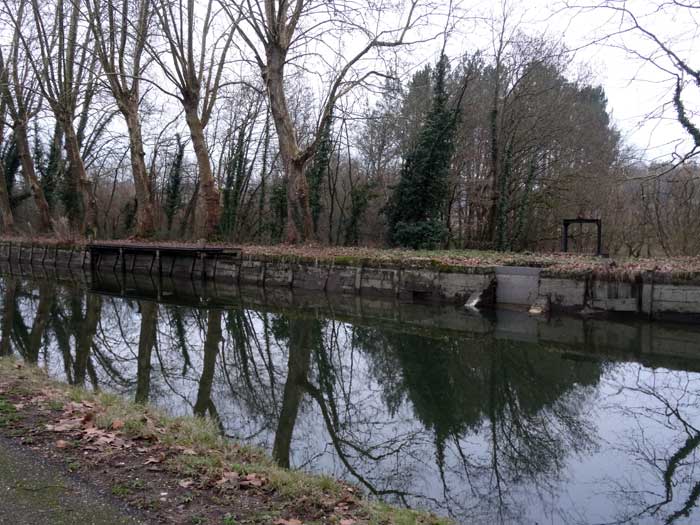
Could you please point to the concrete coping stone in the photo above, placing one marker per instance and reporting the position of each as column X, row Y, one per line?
column 528, row 271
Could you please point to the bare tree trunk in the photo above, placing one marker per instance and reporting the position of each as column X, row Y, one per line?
column 300, row 340
column 212, row 342
column 8, row 315
column 298, row 205
column 77, row 166
column 8, row 221
column 271, row 29
column 495, row 164
column 145, row 207
column 86, row 334
column 41, row 319
column 495, row 146
column 25, row 157
column 147, row 339
column 123, row 69
column 208, row 193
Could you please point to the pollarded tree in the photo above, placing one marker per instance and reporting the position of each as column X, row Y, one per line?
column 415, row 210
column 314, row 35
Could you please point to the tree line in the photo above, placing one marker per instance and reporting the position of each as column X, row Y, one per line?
column 276, row 121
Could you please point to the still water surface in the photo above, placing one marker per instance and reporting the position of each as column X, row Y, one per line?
column 503, row 419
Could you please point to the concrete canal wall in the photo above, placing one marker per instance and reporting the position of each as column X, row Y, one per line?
column 652, row 295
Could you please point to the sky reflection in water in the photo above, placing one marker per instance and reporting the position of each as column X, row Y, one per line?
column 506, row 420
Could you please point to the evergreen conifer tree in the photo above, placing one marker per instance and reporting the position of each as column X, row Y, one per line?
column 52, row 169
column 172, row 191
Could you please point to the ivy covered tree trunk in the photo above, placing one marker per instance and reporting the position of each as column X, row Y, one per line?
column 502, row 238
column 300, row 224
column 316, row 173
column 236, row 170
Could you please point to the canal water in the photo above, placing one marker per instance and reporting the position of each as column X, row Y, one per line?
column 497, row 418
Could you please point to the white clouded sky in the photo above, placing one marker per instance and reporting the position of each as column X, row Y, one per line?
column 635, row 88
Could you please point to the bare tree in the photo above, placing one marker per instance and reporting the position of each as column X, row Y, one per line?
column 194, row 65
column 23, row 102
column 671, row 55
column 121, row 33
column 59, row 53
column 8, row 222
column 280, row 33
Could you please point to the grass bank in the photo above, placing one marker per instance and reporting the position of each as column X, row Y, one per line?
column 173, row 470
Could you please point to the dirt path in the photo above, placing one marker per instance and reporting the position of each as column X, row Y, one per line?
column 33, row 492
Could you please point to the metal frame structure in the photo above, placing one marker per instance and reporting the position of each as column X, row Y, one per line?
column 565, row 233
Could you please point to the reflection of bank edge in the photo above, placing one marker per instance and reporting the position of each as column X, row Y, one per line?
column 606, row 339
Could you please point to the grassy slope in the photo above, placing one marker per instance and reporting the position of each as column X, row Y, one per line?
column 195, row 450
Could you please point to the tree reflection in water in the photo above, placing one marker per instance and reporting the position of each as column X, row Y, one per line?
column 664, row 450
column 477, row 427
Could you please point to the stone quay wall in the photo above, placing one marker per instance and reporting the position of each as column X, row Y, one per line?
column 652, row 295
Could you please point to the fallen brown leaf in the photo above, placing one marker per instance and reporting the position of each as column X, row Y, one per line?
column 227, row 477
column 152, row 460
column 61, row 444
column 65, row 425
column 252, row 480
column 89, row 420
